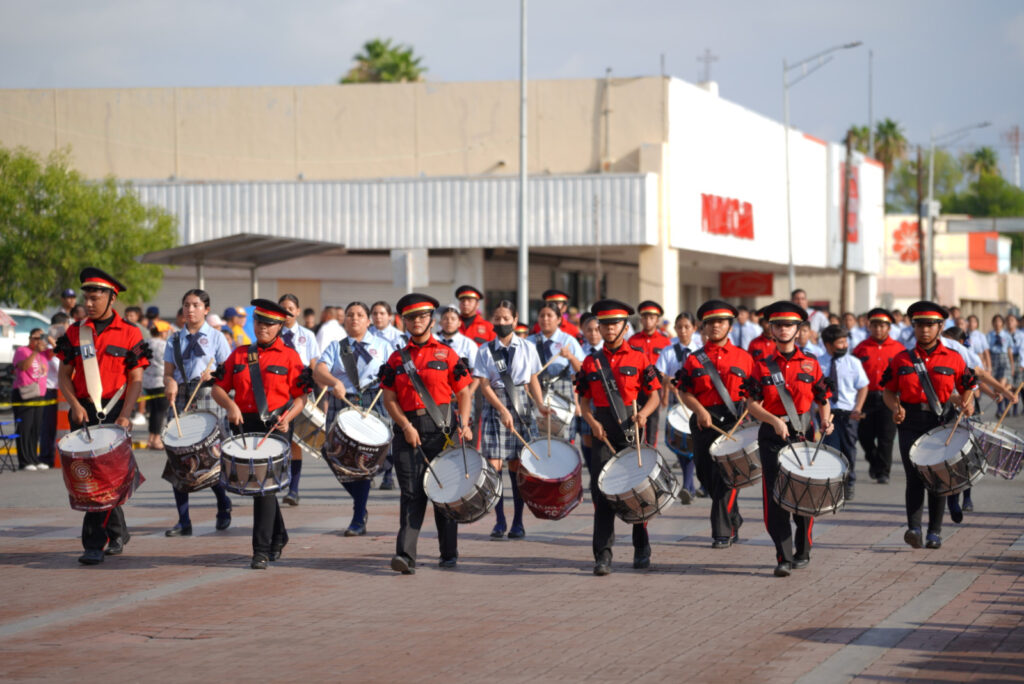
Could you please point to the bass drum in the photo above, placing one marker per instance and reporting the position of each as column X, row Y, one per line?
column 550, row 482
column 99, row 467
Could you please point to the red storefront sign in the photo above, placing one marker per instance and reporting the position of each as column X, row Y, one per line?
column 726, row 216
column 745, row 283
column 853, row 235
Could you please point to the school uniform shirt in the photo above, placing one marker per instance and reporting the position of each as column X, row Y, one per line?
column 946, row 370
column 651, row 345
column 589, row 349
column 742, row 334
column 280, row 367
column 849, row 378
column 907, row 337
column 631, row 371
column 977, row 341
column 391, row 335
column 439, row 366
column 672, row 358
column 966, row 353
column 761, row 346
column 370, row 354
column 803, row 379
column 302, row 340
column 466, row 348
column 875, row 357
column 733, row 364
column 330, row 331
column 553, row 348
column 812, row 349
column 196, row 351
column 119, row 349
column 1017, row 340
column 525, row 361
column 856, row 336
column 999, row 342
column 476, row 328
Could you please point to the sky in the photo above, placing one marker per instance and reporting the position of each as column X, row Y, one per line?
column 939, row 65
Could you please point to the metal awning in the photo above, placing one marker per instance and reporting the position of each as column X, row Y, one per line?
column 244, row 250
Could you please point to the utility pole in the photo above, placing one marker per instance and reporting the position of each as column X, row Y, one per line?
column 920, row 223
column 847, row 175
column 1013, row 137
column 524, row 246
column 871, row 103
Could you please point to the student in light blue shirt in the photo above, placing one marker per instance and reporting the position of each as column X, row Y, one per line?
column 847, row 374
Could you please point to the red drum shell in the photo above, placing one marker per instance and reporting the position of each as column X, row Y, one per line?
column 98, row 481
column 551, row 498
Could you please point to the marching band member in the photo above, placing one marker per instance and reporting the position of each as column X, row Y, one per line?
column 781, row 392
column 650, row 341
column 450, row 336
column 507, row 368
column 420, row 405
column 350, row 369
column 849, row 384
column 590, row 331
column 192, row 357
column 381, row 317
column 554, row 343
column 304, row 342
column 474, row 326
column 559, row 301
column 270, row 383
column 876, row 431
column 670, row 361
column 762, row 345
column 626, row 373
column 99, row 355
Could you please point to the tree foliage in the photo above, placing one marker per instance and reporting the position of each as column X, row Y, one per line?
column 383, row 62
column 890, row 145
column 54, row 222
column 981, row 162
column 861, row 139
column 990, row 195
column 903, row 191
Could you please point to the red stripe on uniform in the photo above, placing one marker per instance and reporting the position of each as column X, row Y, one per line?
column 717, row 313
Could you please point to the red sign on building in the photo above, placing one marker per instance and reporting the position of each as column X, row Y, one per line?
column 745, row 283
column 726, row 216
column 853, row 235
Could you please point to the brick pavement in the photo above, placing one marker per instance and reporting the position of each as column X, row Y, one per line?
column 868, row 607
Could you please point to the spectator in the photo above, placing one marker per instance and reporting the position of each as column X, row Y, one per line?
column 68, row 299
column 153, row 383
column 977, row 341
column 328, row 314
column 331, row 330
column 309, row 319
column 817, row 319
column 804, row 340
column 179, row 320
column 77, row 313
column 854, row 332
column 1017, row 344
column 30, row 365
column 48, row 426
column 235, row 319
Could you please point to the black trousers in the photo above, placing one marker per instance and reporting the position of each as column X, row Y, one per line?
column 604, row 515
column 410, row 469
column 844, row 439
column 99, row 527
column 776, row 518
column 916, row 423
column 29, row 422
column 268, row 530
column 651, row 426
column 157, row 405
column 876, row 433
column 725, row 515
column 48, row 430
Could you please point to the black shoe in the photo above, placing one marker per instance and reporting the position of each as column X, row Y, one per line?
column 913, row 537
column 684, row 497
column 783, row 570
column 259, row 562
column 275, row 549
column 291, row 498
column 179, row 530
column 642, row 558
column 447, row 563
column 356, row 529
column 848, row 494
column 403, row 565
column 387, row 483
column 956, row 513
column 115, row 547
column 498, row 532
column 721, row 543
column 934, row 541
column 603, row 567
column 223, row 521
column 884, row 479
column 799, row 562
column 968, row 505
column 517, row 531
column 91, row 557
column 702, row 493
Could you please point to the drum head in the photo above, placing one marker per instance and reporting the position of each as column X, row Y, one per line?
column 369, row 429
column 275, row 445
column 828, row 464
column 195, row 427
column 314, row 414
column 563, row 462
column 621, row 473
column 744, row 438
column 104, row 438
column 679, row 418
column 450, row 469
column 930, row 448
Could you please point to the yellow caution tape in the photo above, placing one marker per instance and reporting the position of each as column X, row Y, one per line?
column 51, row 402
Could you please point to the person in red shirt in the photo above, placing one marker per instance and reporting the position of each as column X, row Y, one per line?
column 444, row 374
column 763, row 344
column 121, row 355
column 732, row 365
column 805, row 384
column 560, row 302
column 285, row 381
column 474, row 326
column 876, row 431
column 650, row 341
column 915, row 413
column 633, row 375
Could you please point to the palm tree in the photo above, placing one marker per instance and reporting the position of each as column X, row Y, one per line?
column 982, row 162
column 861, row 138
column 382, row 62
column 890, row 145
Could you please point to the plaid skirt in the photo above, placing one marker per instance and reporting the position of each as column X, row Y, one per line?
column 365, row 399
column 566, row 390
column 497, row 441
column 1000, row 366
column 203, row 402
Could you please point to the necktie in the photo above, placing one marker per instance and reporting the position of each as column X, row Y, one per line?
column 361, row 352
column 739, row 342
column 288, row 338
column 547, row 350
column 446, row 342
column 833, row 375
column 192, row 347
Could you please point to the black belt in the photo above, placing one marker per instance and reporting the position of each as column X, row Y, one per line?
column 422, row 411
column 838, row 411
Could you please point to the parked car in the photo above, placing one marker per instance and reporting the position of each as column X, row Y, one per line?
column 12, row 337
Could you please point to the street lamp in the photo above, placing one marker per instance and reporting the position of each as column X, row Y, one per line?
column 821, row 59
column 945, row 139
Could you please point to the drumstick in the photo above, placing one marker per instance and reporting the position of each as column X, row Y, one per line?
column 817, row 446
column 174, row 405
column 796, row 455
column 548, row 402
column 260, row 443
column 550, row 361
column 722, row 432
column 742, row 416
column 639, row 458
column 465, row 461
column 350, row 404
column 370, row 407
column 429, row 469
column 1016, row 393
column 85, row 426
column 604, row 438
column 959, row 415
column 525, row 443
column 196, row 390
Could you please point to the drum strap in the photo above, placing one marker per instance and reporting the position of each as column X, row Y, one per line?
column 433, row 410
column 547, row 377
column 255, row 377
column 502, row 361
column 348, row 360
column 91, row 366
column 795, row 419
column 604, row 370
column 926, row 383
column 716, row 380
column 681, row 352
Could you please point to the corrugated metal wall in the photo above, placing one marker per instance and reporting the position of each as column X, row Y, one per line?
column 439, row 213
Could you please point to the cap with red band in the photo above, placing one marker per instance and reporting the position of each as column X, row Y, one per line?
column 95, row 279
column 715, row 308
column 784, row 312
column 555, row 296
column 468, row 292
column 268, row 311
column 610, row 310
column 880, row 314
column 650, row 307
column 927, row 312
column 414, row 303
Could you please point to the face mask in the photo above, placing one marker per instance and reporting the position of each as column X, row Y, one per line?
column 504, row 330
column 839, row 353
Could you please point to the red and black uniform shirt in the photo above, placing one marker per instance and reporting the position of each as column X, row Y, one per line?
column 876, row 356
column 651, row 345
column 946, row 370
column 440, row 367
column 633, row 373
column 119, row 349
column 477, row 329
column 280, row 368
column 733, row 365
column 761, row 346
column 803, row 379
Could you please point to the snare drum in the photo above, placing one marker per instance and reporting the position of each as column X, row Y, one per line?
column 818, row 487
column 357, row 445
column 309, row 432
column 246, row 469
column 551, row 484
column 560, row 419
column 739, row 460
column 1002, row 448
column 99, row 467
column 463, row 499
column 677, row 431
column 947, row 469
column 638, row 492
column 193, row 459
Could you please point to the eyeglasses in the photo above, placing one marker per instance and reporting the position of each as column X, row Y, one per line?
column 36, row 338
